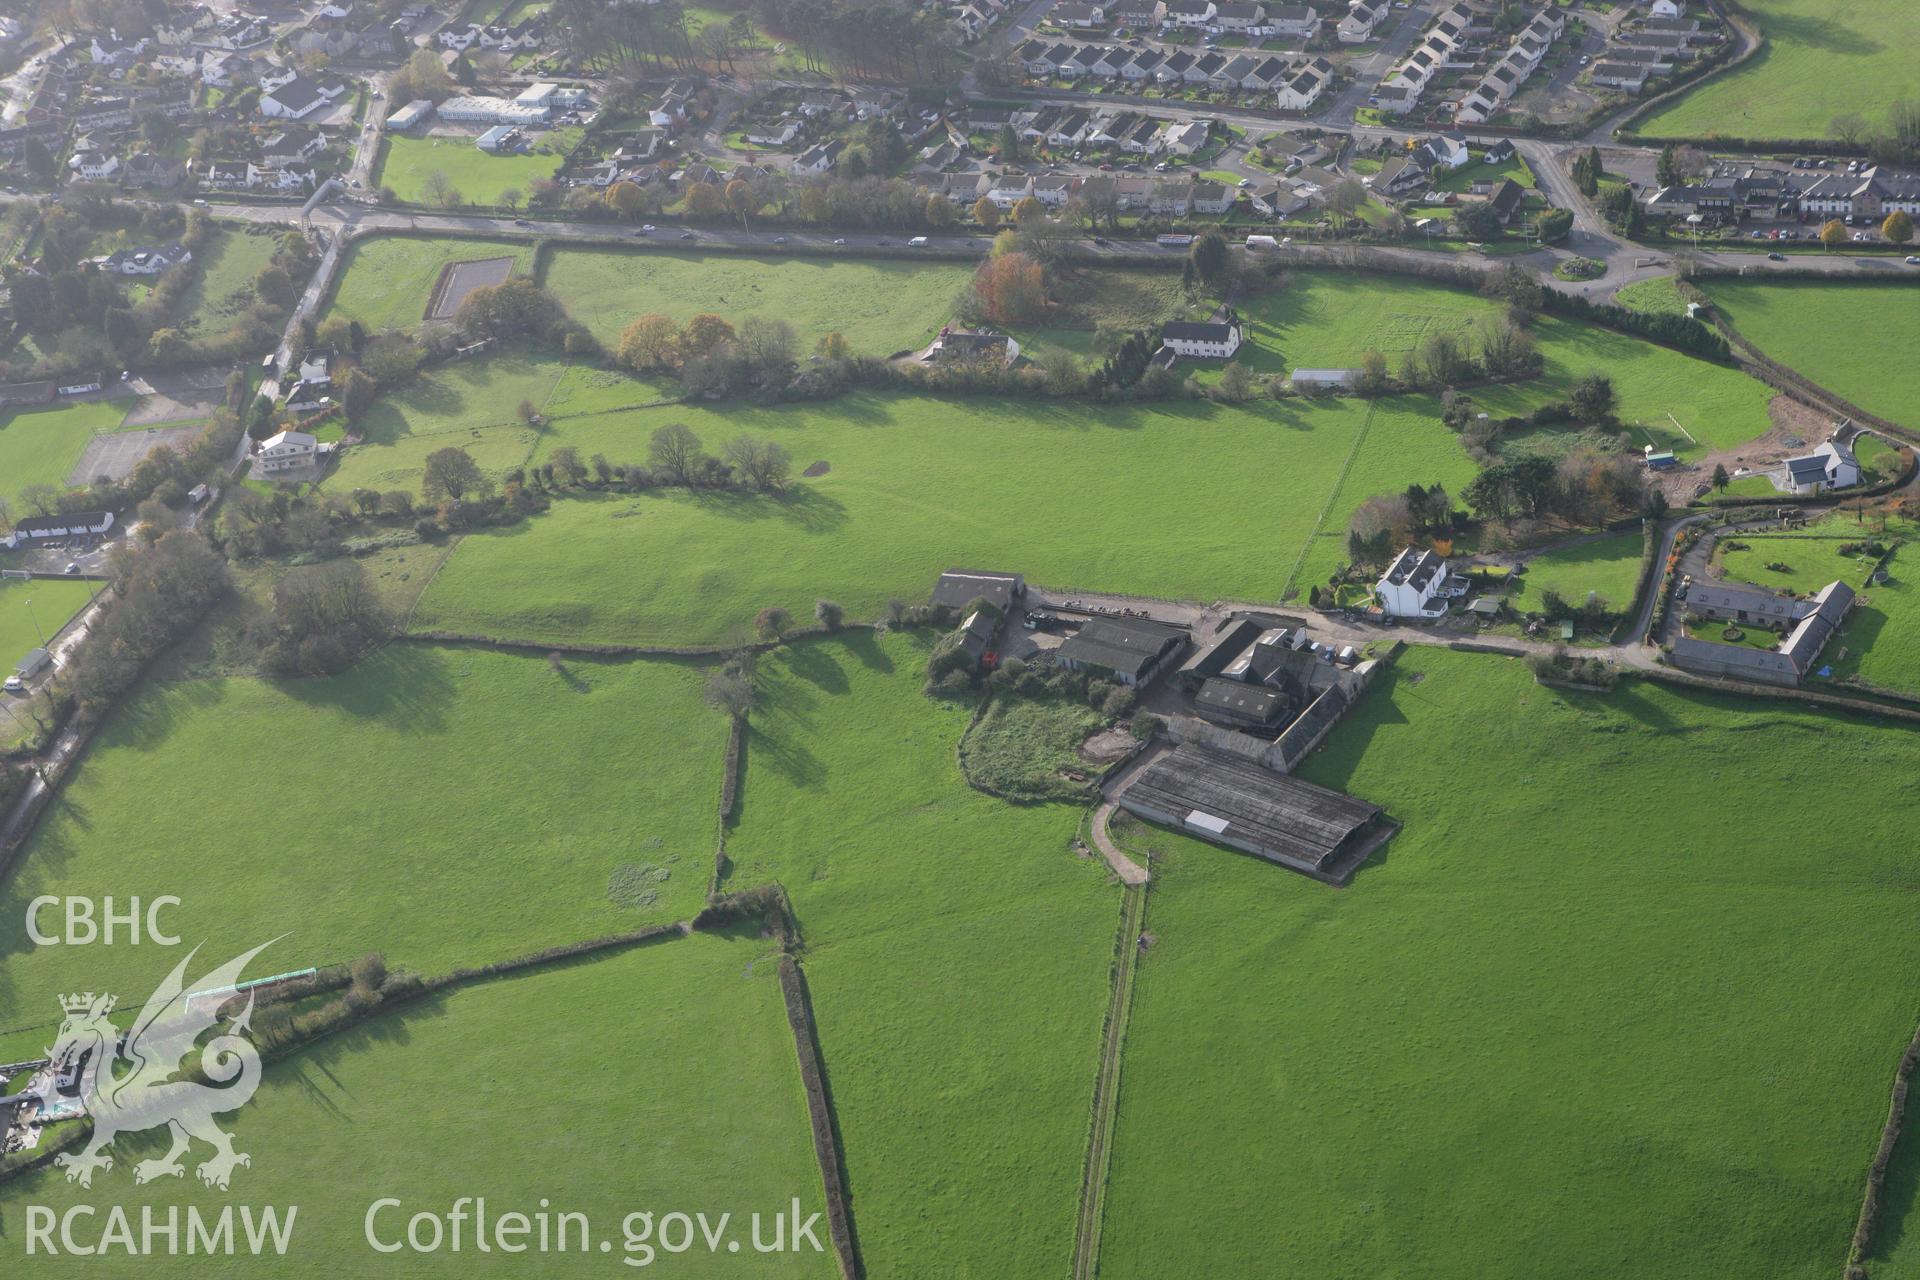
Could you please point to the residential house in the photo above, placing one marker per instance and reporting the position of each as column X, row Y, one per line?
column 1212, row 197
column 289, row 145
column 1362, row 20
column 1304, row 88
column 1830, row 466
column 1140, row 14
column 819, row 159
column 297, row 99
column 1174, row 67
column 1189, row 13
column 1506, row 200
column 1142, row 66
column 1080, row 16
column 1052, row 189
column 285, row 452
column 94, row 166
column 1232, row 73
column 1397, row 98
column 1267, row 76
column 150, row 172
column 1628, row 77
column 1215, row 338
column 1415, row 585
column 149, row 261
column 1238, row 17
column 1298, row 21
column 1171, row 197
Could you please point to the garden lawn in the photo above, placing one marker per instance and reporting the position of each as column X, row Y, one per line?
column 40, row 446
column 881, row 307
column 1556, row 1022
column 957, row 955
column 477, row 176
column 1608, row 565
column 1658, row 296
column 659, row 1078
column 1856, row 340
column 24, row 626
column 385, row 281
column 227, row 263
column 1823, row 58
column 1880, row 641
column 1177, row 499
column 445, row 806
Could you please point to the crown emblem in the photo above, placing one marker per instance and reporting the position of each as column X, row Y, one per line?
column 87, row 1004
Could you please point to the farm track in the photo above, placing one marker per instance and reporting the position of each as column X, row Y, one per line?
column 1106, row 1089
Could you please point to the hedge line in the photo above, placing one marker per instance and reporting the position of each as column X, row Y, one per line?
column 1649, row 565
column 729, row 793
column 826, row 1140
column 1877, row 1171
column 1789, row 379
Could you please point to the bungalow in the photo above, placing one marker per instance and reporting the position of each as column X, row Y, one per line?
column 777, row 134
column 1216, row 338
column 1206, row 67
column 145, row 262
column 819, row 159
column 1267, row 76
column 1142, row 66
column 1107, row 63
column 1628, row 77
column 1010, row 189
column 1234, row 73
column 1506, row 200
column 1172, row 197
column 1415, row 585
column 285, row 451
column 1400, row 177
column 1174, row 67
column 1362, row 20
column 1072, row 129
column 297, row 99
column 293, row 144
column 1212, row 197
column 1076, row 61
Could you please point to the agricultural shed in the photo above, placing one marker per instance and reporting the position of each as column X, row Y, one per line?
column 1129, row 650
column 957, row 588
column 1241, row 805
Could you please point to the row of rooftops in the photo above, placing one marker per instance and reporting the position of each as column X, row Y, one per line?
column 1814, row 620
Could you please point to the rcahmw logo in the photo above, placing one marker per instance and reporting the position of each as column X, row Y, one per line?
column 127, row 1084
column 83, row 1231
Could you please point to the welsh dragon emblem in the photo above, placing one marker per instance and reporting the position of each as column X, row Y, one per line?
column 132, row 1082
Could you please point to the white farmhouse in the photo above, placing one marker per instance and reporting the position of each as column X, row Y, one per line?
column 1214, row 339
column 1414, row 585
column 286, row 451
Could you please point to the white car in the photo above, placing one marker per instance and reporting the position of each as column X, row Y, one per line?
column 16, row 685
column 839, row 239
column 1913, row 261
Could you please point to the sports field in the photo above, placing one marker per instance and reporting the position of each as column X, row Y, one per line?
column 385, row 281
column 478, row 176
column 1176, row 499
column 1823, row 58
column 32, row 612
column 1553, row 1024
column 676, row 1055
column 957, row 953
column 881, row 307
column 40, row 446
column 446, row 806
column 1857, row 340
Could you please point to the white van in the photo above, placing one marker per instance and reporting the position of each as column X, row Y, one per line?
column 918, row 242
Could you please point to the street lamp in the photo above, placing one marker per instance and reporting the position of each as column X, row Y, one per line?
column 36, row 623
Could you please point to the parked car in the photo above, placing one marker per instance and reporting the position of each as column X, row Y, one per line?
column 1776, row 257
column 521, row 222
column 779, row 239
column 1913, row 261
column 686, row 235
column 72, row 567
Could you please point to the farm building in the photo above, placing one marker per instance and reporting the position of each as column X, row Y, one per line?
column 958, row 588
column 967, row 345
column 1213, row 653
column 411, row 116
column 1815, row 620
column 1129, row 650
column 1241, row 705
column 1239, row 804
column 977, row 633
column 1737, row 602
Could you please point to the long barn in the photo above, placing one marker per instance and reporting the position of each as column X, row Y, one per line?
column 1234, row 802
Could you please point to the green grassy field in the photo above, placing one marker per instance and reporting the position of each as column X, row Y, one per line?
column 227, row 264
column 1067, row 496
column 1553, row 1024
column 957, row 953
column 1329, row 319
column 1609, row 565
column 881, row 307
column 1821, row 60
column 475, row 405
column 40, row 446
column 23, row 625
column 1658, row 296
column 678, row 1052
column 447, row 806
column 385, row 280
column 478, row 176
column 1855, row 340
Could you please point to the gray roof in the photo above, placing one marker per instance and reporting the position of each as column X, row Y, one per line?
column 958, row 588
column 1415, row 568
column 1239, row 701
column 1687, row 650
column 1738, row 597
column 1803, row 647
column 1128, row 645
column 1269, row 811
